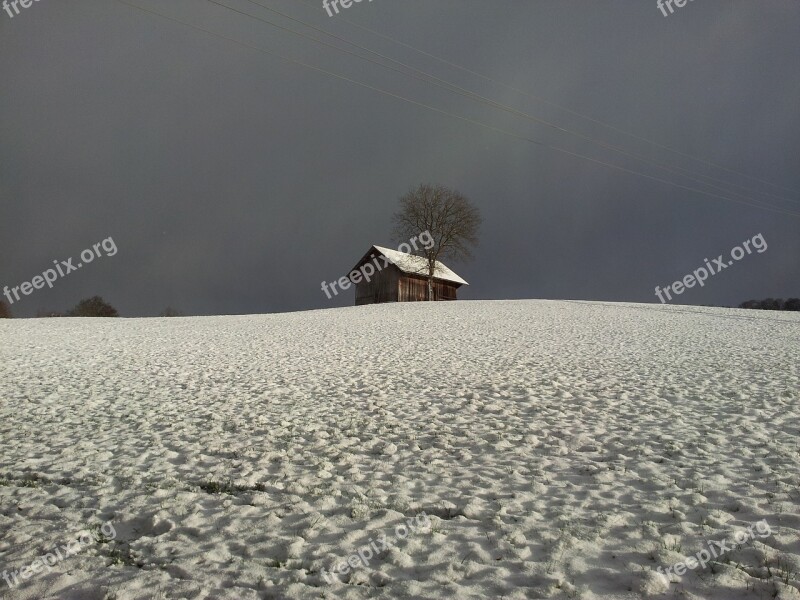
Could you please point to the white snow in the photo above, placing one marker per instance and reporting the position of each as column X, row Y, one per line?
column 560, row 450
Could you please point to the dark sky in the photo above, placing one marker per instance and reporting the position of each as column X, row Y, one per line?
column 234, row 182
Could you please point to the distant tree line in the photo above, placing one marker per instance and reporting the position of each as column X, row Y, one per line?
column 93, row 307
column 772, row 304
column 88, row 307
column 172, row 312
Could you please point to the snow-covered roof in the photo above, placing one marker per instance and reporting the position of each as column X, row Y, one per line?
column 417, row 265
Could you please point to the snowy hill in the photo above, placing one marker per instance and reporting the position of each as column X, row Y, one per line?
column 528, row 449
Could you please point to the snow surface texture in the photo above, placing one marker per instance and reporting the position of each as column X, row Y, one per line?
column 559, row 449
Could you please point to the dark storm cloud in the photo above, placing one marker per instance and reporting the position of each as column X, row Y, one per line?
column 234, row 182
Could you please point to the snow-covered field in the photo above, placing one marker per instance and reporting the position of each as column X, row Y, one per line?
column 556, row 449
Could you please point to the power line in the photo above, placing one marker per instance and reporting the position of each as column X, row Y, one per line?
column 564, row 108
column 441, row 111
column 476, row 97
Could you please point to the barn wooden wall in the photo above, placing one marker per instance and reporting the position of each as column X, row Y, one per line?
column 415, row 289
column 392, row 285
column 382, row 287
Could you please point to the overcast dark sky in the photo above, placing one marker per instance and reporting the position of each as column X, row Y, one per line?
column 234, row 182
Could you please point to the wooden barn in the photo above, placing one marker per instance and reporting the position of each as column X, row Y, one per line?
column 385, row 275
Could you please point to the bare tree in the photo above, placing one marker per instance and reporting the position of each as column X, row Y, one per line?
column 450, row 218
column 93, row 307
column 172, row 312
